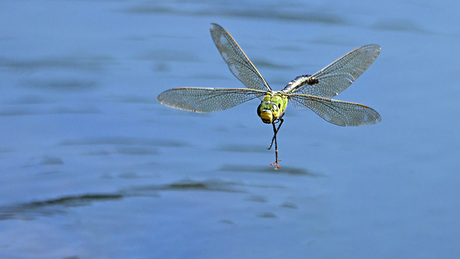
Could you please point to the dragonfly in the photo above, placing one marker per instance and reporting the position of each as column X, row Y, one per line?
column 306, row 91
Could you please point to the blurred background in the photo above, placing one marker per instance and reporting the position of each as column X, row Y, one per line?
column 92, row 166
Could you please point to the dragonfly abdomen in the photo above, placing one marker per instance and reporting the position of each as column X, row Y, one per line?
column 299, row 82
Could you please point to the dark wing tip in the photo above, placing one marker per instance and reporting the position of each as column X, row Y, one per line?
column 372, row 117
column 215, row 26
column 160, row 97
column 374, row 47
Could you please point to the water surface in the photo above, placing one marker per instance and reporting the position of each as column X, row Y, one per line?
column 93, row 167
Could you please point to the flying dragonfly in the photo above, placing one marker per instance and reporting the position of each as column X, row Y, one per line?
column 306, row 91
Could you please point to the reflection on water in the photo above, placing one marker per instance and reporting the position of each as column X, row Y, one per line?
column 126, row 141
column 30, row 210
column 399, row 25
column 280, row 12
column 49, row 207
column 268, row 170
column 242, row 148
column 78, row 63
column 61, row 84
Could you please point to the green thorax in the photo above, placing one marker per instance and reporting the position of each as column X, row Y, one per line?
column 272, row 106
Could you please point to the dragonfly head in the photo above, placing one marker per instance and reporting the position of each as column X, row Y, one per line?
column 268, row 112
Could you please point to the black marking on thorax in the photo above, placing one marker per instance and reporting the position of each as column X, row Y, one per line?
column 301, row 81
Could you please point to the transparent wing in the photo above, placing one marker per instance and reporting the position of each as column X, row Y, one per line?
column 337, row 76
column 197, row 99
column 238, row 63
column 337, row 112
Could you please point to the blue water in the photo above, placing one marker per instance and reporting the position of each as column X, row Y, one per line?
column 92, row 166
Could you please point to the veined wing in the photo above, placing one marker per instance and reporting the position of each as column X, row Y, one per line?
column 238, row 63
column 337, row 112
column 337, row 76
column 201, row 99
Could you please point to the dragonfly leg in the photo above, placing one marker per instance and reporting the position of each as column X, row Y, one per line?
column 275, row 131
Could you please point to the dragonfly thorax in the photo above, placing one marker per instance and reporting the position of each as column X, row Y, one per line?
column 272, row 107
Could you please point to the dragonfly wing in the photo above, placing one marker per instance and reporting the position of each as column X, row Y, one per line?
column 337, row 112
column 238, row 63
column 197, row 99
column 337, row 76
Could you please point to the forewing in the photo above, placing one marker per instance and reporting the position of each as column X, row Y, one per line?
column 238, row 63
column 337, row 112
column 337, row 76
column 198, row 99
